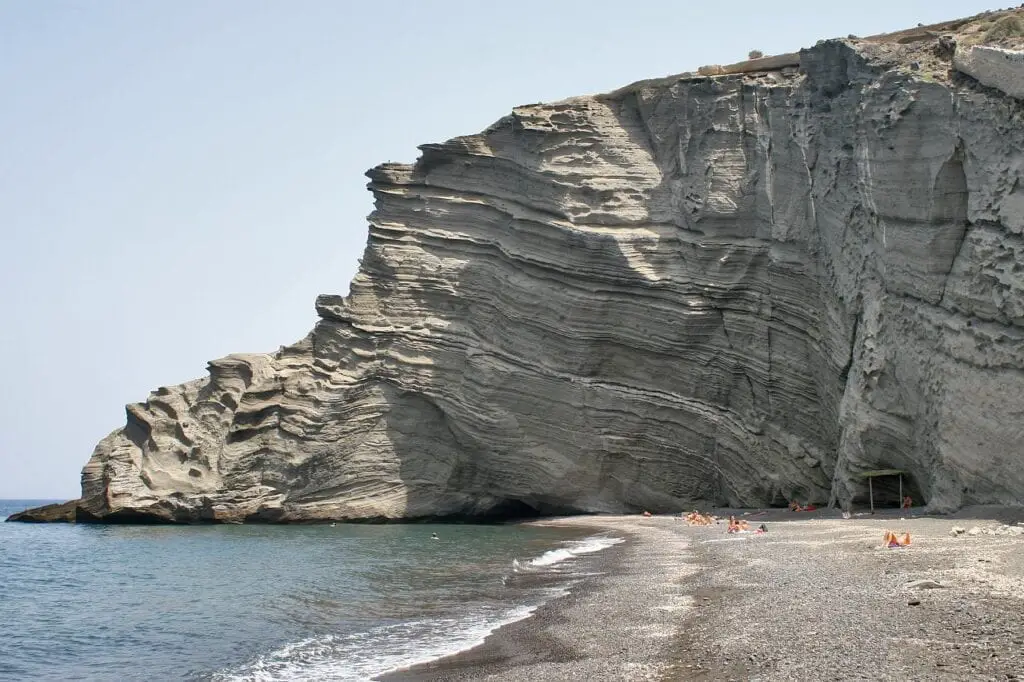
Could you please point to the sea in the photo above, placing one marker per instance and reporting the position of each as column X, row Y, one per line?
column 265, row 602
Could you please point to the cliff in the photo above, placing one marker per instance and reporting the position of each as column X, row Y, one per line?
column 739, row 289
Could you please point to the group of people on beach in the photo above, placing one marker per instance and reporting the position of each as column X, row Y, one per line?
column 696, row 518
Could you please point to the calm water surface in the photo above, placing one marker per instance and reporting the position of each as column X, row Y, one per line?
column 348, row 602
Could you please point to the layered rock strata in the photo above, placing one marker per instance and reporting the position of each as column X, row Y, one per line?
column 736, row 290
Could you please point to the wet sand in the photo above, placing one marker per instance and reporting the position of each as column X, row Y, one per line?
column 614, row 626
column 815, row 598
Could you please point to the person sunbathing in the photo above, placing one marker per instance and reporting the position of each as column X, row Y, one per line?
column 737, row 526
column 890, row 539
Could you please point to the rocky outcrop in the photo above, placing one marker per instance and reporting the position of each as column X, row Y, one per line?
column 739, row 290
column 65, row 512
column 994, row 67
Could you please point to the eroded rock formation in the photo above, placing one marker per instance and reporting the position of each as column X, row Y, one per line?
column 741, row 290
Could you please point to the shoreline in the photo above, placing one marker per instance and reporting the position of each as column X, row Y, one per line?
column 817, row 597
column 570, row 636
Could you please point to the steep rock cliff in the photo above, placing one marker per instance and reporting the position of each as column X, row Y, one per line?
column 741, row 289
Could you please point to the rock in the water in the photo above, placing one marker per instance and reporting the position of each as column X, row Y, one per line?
column 736, row 290
column 50, row 513
column 957, row 530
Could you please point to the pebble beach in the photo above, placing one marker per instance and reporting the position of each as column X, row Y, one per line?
column 816, row 597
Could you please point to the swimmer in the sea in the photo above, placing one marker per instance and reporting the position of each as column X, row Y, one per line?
column 433, row 536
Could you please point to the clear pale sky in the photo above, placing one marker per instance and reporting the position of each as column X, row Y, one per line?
column 179, row 179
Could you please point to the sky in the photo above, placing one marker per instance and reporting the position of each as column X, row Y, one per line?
column 180, row 179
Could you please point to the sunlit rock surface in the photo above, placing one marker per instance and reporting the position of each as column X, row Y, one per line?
column 739, row 290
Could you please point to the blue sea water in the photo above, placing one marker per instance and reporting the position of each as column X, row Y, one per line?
column 263, row 602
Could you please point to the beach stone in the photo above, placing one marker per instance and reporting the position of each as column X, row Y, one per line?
column 957, row 530
column 923, row 585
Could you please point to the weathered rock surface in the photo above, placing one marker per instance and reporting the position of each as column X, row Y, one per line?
column 49, row 513
column 994, row 67
column 741, row 290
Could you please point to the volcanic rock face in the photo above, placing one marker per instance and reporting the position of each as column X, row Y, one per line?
column 737, row 290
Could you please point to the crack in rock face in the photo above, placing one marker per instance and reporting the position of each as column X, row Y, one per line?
column 740, row 290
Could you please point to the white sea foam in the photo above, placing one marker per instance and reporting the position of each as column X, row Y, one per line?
column 572, row 549
column 362, row 655
column 552, row 557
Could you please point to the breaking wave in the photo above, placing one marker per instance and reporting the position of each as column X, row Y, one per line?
column 363, row 655
column 571, row 550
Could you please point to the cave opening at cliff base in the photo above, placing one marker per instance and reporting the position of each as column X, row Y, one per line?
column 886, row 488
